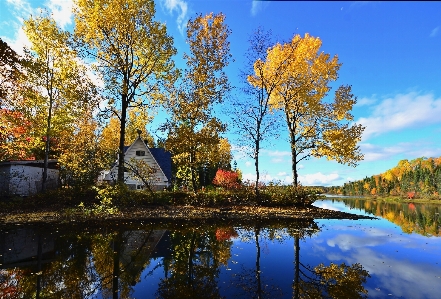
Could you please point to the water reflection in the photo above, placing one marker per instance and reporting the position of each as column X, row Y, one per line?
column 264, row 259
column 412, row 217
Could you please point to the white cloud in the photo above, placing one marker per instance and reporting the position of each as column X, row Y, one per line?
column 277, row 160
column 61, row 11
column 318, row 179
column 282, row 173
column 248, row 163
column 181, row 7
column 400, row 112
column 249, row 177
column 19, row 41
column 257, row 6
column 434, row 32
column 20, row 8
column 365, row 102
column 277, row 153
column 240, row 152
column 375, row 152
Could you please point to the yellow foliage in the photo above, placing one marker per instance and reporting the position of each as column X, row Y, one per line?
column 297, row 76
column 193, row 133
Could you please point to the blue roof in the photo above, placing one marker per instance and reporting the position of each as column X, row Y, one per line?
column 164, row 160
column 161, row 156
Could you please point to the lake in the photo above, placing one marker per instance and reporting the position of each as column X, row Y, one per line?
column 397, row 255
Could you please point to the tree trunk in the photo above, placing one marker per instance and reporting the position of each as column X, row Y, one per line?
column 296, row 267
column 49, row 87
column 122, row 137
column 256, row 163
column 295, row 177
column 192, row 172
column 258, row 277
column 116, row 252
column 292, row 139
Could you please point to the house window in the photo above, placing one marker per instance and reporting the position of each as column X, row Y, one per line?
column 140, row 153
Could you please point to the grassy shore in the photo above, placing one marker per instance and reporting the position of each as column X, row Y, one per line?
column 117, row 204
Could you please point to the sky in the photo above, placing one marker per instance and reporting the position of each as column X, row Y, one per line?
column 390, row 54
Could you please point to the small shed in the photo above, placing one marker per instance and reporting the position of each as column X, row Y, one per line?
column 24, row 178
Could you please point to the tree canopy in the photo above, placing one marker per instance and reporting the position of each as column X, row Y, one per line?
column 193, row 131
column 132, row 53
column 303, row 76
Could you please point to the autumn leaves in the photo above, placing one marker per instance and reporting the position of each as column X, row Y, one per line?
column 132, row 55
column 296, row 78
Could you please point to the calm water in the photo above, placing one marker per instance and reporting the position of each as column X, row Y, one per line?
column 397, row 255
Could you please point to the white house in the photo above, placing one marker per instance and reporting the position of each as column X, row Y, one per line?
column 157, row 158
column 24, row 178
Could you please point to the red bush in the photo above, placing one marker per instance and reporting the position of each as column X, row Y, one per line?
column 226, row 179
column 223, row 234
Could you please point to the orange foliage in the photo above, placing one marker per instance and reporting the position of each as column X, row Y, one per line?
column 223, row 234
column 15, row 142
column 226, row 179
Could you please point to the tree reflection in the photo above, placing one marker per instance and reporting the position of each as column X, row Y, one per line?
column 193, row 267
column 250, row 281
column 423, row 219
column 333, row 281
column 253, row 282
column 107, row 262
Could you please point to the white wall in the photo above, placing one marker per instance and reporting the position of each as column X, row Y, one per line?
column 159, row 178
column 26, row 180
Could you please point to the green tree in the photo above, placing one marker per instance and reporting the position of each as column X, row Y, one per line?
column 133, row 54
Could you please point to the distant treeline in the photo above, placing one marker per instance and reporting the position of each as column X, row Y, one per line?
column 422, row 176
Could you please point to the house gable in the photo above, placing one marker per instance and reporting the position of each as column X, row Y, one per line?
column 155, row 158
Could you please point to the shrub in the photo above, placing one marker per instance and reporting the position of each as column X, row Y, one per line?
column 227, row 179
column 287, row 196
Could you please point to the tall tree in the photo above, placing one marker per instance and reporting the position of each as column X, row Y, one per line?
column 132, row 52
column 193, row 130
column 61, row 90
column 251, row 114
column 316, row 128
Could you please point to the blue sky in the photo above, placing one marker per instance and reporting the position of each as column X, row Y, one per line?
column 391, row 55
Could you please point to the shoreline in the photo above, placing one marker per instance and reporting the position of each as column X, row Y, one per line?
column 177, row 213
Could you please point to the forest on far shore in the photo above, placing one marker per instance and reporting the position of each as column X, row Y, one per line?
column 421, row 175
